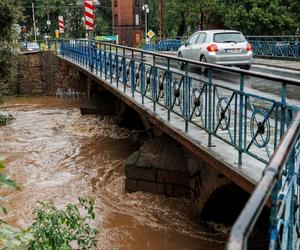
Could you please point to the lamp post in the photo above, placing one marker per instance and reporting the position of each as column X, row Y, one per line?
column 146, row 9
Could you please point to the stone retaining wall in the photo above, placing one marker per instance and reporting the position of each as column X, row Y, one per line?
column 41, row 74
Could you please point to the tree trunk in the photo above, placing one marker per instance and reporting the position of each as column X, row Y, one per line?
column 201, row 21
column 181, row 28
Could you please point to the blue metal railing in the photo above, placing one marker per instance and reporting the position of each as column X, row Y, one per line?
column 163, row 45
column 252, row 124
column 281, row 184
column 276, row 46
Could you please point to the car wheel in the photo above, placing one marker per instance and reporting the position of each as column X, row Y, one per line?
column 246, row 66
column 203, row 68
column 180, row 64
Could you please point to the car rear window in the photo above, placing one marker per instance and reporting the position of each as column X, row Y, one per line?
column 229, row 37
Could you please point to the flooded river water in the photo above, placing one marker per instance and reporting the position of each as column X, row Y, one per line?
column 55, row 154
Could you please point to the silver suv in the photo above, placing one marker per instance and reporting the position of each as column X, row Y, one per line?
column 224, row 47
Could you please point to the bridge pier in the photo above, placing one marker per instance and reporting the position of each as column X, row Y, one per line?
column 164, row 167
column 99, row 101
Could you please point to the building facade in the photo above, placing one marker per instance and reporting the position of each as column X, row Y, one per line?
column 126, row 15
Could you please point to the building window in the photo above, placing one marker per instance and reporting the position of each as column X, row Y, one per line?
column 116, row 20
column 116, row 3
column 137, row 2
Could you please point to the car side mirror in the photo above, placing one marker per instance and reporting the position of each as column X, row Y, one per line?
column 186, row 43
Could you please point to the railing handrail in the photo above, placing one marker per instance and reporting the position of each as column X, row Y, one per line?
column 286, row 80
column 248, row 217
column 267, row 36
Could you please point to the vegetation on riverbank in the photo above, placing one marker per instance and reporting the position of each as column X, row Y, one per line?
column 52, row 228
column 10, row 14
column 5, row 119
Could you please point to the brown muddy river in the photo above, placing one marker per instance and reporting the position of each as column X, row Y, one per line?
column 55, row 154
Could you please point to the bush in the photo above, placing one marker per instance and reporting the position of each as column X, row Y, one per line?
column 63, row 229
column 5, row 119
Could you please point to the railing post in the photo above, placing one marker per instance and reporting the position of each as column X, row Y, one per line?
column 117, row 66
column 90, row 54
column 110, row 65
column 96, row 58
column 242, row 87
column 143, row 75
column 124, row 70
column 154, row 84
column 105, row 62
column 62, row 52
column 169, row 90
column 273, row 216
column 289, row 212
column 186, row 97
column 132, row 72
column 283, row 110
column 83, row 47
column 154, row 87
column 210, row 129
column 101, row 60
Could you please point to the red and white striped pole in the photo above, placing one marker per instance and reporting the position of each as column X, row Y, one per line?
column 89, row 17
column 61, row 24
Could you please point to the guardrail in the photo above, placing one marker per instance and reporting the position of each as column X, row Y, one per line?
column 276, row 46
column 281, row 184
column 251, row 122
column 163, row 45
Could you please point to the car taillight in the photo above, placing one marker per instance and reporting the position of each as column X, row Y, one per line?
column 212, row 48
column 249, row 47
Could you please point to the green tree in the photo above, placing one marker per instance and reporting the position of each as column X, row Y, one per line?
column 258, row 17
column 294, row 7
column 8, row 17
column 73, row 13
column 9, row 14
column 252, row 17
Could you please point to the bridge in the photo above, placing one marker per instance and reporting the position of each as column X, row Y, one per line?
column 251, row 137
column 280, row 47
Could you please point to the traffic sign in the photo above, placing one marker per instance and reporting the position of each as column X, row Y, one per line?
column 89, row 15
column 150, row 34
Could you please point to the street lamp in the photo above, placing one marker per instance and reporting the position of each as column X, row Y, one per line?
column 146, row 9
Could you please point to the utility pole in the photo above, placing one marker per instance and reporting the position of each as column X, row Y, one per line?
column 162, row 19
column 33, row 20
column 48, row 25
column 146, row 9
column 48, row 16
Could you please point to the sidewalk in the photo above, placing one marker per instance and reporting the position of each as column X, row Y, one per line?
column 294, row 65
